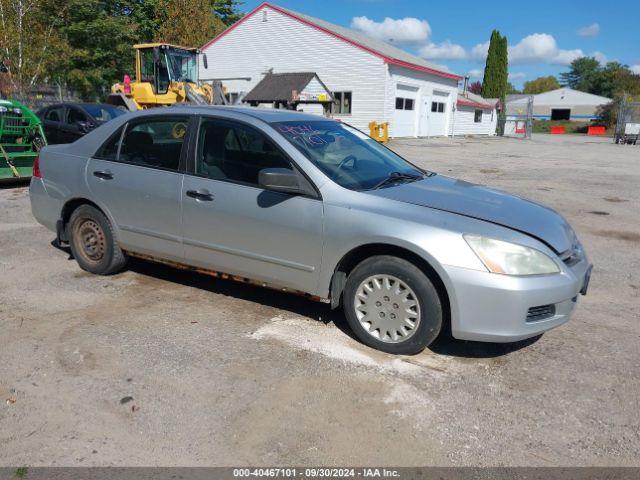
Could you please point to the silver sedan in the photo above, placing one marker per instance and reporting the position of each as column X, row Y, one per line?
column 313, row 206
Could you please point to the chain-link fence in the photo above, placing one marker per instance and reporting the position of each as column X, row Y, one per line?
column 42, row 96
column 628, row 123
column 519, row 117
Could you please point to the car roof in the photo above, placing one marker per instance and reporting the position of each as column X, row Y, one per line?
column 267, row 115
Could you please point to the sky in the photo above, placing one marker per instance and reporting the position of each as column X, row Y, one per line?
column 544, row 36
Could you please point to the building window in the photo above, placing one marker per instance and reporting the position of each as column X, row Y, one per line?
column 477, row 117
column 437, row 107
column 404, row 103
column 341, row 102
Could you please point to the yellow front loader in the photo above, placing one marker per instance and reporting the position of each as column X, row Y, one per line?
column 165, row 75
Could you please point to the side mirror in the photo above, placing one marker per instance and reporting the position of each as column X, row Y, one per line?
column 280, row 180
column 84, row 127
column 205, row 62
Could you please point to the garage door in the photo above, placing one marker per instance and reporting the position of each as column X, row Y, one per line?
column 438, row 113
column 404, row 114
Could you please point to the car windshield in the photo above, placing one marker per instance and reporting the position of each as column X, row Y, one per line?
column 103, row 113
column 347, row 156
column 182, row 64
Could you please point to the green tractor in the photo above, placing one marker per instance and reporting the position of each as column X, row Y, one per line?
column 21, row 138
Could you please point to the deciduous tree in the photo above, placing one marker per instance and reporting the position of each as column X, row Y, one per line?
column 475, row 87
column 541, row 85
column 29, row 40
column 187, row 22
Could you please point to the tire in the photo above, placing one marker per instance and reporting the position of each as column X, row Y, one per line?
column 93, row 243
column 384, row 305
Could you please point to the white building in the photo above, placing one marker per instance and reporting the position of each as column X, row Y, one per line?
column 561, row 104
column 370, row 80
column 475, row 115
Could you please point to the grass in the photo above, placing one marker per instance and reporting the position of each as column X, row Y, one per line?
column 21, row 472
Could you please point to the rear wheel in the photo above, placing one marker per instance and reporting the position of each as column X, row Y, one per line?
column 391, row 305
column 92, row 242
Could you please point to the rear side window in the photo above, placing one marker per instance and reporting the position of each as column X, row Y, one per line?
column 55, row 114
column 155, row 142
column 109, row 150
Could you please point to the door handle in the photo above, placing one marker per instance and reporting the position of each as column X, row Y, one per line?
column 200, row 195
column 103, row 174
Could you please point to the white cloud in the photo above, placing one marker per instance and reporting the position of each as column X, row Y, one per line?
column 600, row 57
column 541, row 48
column 404, row 30
column 635, row 68
column 590, row 31
column 445, row 50
column 476, row 73
column 565, row 57
column 517, row 75
column 479, row 52
column 534, row 48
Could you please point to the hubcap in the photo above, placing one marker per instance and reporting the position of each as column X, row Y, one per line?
column 91, row 240
column 387, row 308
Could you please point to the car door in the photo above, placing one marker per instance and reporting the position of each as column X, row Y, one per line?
column 137, row 177
column 51, row 123
column 232, row 225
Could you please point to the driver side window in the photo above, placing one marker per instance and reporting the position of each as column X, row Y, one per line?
column 235, row 152
column 75, row 116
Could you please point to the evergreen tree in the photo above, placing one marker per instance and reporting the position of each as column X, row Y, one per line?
column 583, row 75
column 496, row 71
column 494, row 83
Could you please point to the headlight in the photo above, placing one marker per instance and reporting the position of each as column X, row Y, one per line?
column 510, row 258
column 16, row 111
column 3, row 109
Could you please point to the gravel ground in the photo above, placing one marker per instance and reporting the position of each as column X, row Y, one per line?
column 155, row 366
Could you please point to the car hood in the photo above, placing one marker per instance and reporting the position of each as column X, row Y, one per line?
column 483, row 203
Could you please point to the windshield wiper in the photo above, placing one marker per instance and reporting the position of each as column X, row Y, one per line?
column 395, row 177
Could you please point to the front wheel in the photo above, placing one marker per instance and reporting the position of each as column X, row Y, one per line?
column 391, row 305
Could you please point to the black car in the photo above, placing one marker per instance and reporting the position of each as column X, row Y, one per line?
column 66, row 122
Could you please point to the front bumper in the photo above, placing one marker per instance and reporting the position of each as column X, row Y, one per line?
column 493, row 308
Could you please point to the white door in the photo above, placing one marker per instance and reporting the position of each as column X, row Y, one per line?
column 423, row 116
column 404, row 113
column 438, row 114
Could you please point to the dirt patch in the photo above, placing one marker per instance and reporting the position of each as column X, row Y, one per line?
column 615, row 199
column 332, row 343
column 619, row 235
column 490, row 170
column 598, row 212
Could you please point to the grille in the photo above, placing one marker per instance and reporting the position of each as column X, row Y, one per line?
column 12, row 121
column 535, row 314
